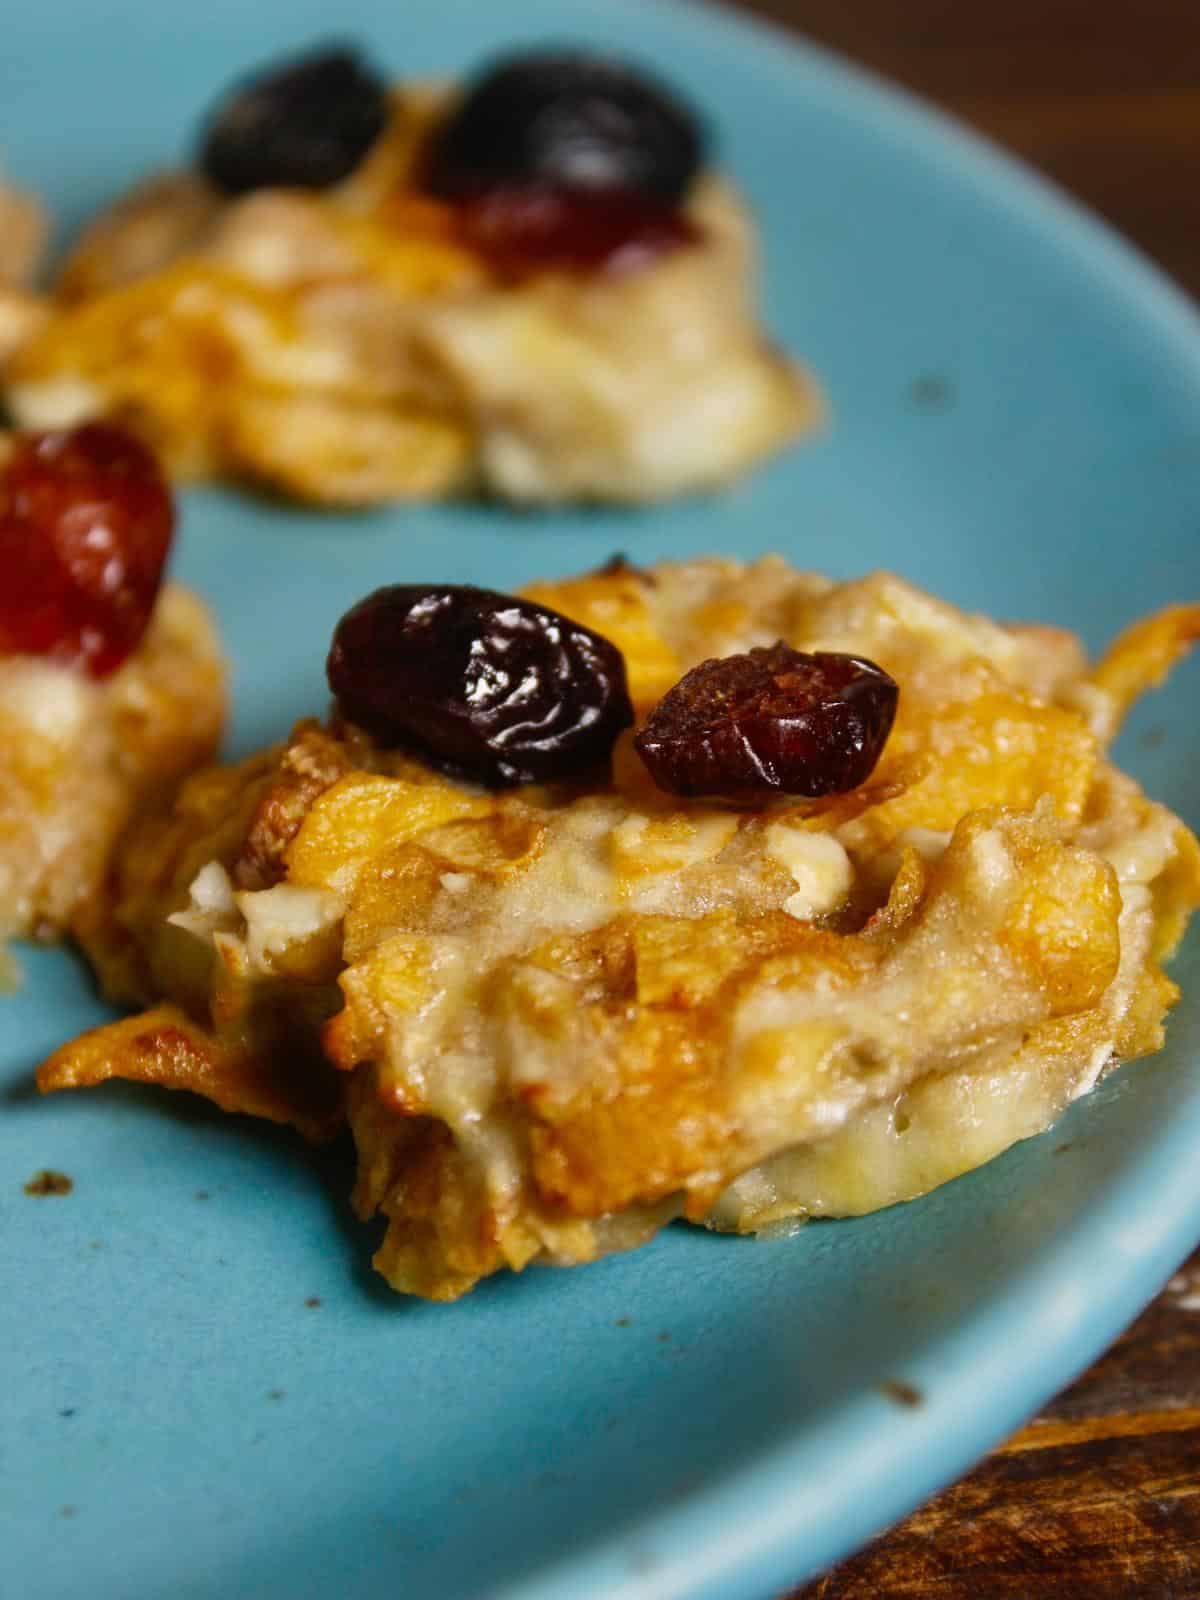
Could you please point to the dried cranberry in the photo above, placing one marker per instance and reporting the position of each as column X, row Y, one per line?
column 85, row 526
column 488, row 687
column 533, row 228
column 770, row 722
column 568, row 121
column 302, row 124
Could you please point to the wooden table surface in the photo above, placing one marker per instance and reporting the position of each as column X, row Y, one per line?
column 1099, row 1497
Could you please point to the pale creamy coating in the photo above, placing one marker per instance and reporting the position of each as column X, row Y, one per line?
column 563, row 1016
column 944, row 1124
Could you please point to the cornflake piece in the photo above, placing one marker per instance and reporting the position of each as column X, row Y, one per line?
column 558, row 1017
column 361, row 293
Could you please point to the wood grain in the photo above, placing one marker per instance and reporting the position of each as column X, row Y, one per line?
column 1096, row 1499
column 1103, row 95
column 1099, row 1497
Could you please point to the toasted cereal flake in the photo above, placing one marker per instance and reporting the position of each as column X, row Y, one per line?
column 560, row 1017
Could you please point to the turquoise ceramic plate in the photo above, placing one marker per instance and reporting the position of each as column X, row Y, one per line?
column 1016, row 405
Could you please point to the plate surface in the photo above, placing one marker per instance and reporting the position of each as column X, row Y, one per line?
column 1016, row 424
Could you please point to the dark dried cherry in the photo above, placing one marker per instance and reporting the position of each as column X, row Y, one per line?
column 770, row 722
column 302, row 124
column 534, row 228
column 485, row 686
column 566, row 121
column 85, row 525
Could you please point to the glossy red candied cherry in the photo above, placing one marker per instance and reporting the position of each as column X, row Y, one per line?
column 85, row 526
column 771, row 722
column 529, row 228
column 486, row 686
